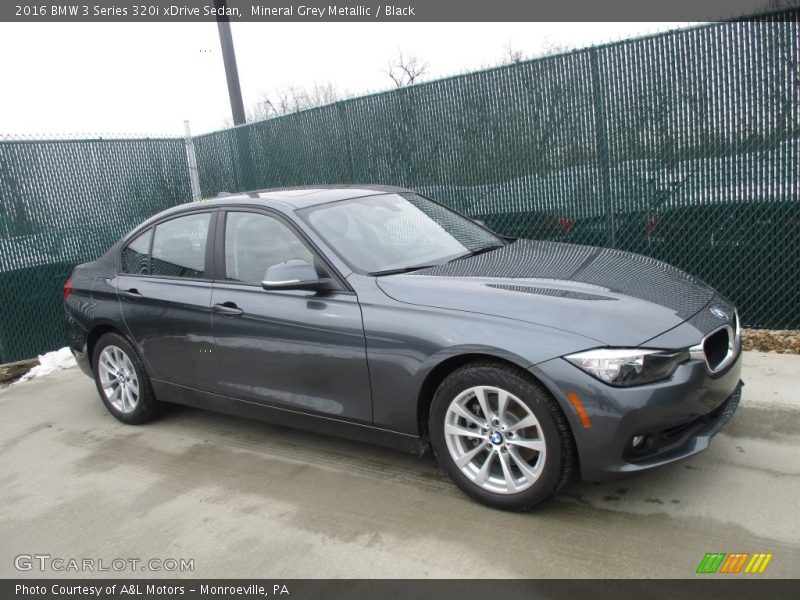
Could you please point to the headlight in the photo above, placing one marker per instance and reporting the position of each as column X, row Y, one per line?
column 628, row 366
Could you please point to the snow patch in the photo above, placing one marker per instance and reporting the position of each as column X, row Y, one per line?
column 51, row 362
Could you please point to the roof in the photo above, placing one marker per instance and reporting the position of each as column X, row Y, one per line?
column 293, row 198
column 302, row 197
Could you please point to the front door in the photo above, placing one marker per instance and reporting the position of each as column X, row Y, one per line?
column 302, row 350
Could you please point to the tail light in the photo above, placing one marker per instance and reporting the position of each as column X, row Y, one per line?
column 566, row 223
column 652, row 225
column 67, row 288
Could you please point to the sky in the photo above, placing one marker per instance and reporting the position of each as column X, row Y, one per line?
column 137, row 79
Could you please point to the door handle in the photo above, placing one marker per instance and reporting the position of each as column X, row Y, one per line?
column 130, row 293
column 227, row 308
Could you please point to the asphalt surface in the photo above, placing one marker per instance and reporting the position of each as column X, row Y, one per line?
column 247, row 499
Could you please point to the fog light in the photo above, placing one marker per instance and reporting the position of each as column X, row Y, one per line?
column 638, row 441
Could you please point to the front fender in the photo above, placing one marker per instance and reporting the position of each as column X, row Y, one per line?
column 405, row 343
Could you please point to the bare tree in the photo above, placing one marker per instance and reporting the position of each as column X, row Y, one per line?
column 406, row 70
column 770, row 5
column 511, row 55
column 551, row 48
column 293, row 99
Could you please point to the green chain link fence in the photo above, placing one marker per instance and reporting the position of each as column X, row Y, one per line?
column 63, row 202
column 684, row 146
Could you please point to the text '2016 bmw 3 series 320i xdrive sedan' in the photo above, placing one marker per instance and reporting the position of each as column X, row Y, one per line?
column 378, row 314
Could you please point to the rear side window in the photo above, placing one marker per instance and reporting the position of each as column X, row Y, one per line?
column 134, row 256
column 179, row 247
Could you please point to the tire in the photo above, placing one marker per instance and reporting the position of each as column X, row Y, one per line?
column 131, row 399
column 531, row 446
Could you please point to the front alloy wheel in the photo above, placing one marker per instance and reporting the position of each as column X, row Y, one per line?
column 500, row 435
column 495, row 439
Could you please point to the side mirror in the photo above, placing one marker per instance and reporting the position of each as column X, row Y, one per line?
column 295, row 274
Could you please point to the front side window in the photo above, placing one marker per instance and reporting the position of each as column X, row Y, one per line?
column 179, row 247
column 254, row 242
column 134, row 256
column 396, row 232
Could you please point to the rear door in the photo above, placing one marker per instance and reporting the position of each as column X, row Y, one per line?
column 164, row 286
column 297, row 349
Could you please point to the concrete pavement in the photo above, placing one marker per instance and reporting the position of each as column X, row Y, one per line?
column 246, row 499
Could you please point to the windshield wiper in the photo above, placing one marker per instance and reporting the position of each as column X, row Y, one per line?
column 478, row 251
column 486, row 249
column 400, row 270
column 418, row 267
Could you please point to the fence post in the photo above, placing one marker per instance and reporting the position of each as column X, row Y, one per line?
column 601, row 149
column 191, row 159
column 343, row 121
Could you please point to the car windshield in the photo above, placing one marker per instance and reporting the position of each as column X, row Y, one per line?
column 388, row 233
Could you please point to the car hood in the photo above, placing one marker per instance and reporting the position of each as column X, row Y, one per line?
column 615, row 297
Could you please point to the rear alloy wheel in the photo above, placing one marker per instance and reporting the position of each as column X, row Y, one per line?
column 122, row 381
column 500, row 436
column 118, row 379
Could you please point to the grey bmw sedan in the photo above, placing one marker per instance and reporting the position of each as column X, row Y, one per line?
column 381, row 315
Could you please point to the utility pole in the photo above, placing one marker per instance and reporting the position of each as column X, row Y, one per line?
column 229, row 58
column 191, row 159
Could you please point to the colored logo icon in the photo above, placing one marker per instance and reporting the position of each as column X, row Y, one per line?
column 736, row 562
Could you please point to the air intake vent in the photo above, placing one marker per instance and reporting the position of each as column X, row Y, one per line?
column 716, row 348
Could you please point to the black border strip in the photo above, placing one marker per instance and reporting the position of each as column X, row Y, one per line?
column 315, row 11
column 709, row 587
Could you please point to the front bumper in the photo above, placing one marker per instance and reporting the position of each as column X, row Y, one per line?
column 678, row 417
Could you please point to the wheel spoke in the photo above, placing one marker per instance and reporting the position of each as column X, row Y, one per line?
column 115, row 396
column 480, row 394
column 110, row 382
column 467, row 458
column 505, row 462
column 537, row 445
column 107, row 362
column 483, row 475
column 502, row 404
column 463, row 431
column 528, row 421
column 468, row 415
column 531, row 474
column 131, row 399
